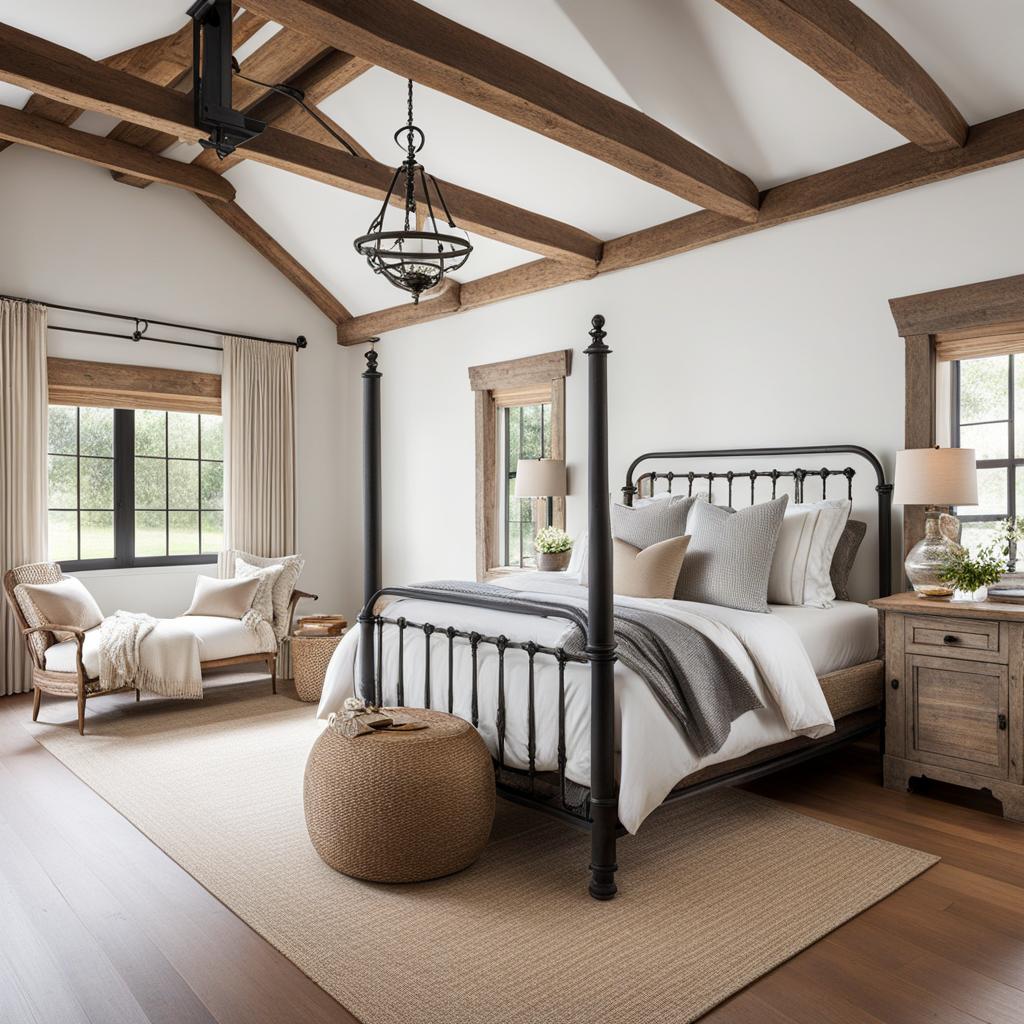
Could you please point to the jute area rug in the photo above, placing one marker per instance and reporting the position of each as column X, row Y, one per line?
column 713, row 892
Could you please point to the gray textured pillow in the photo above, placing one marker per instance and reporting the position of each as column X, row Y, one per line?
column 845, row 553
column 730, row 554
column 652, row 523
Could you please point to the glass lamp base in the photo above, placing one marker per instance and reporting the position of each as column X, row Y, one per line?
column 925, row 561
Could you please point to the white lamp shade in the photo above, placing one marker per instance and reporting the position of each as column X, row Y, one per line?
column 936, row 476
column 540, row 478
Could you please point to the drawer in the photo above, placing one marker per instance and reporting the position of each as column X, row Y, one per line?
column 970, row 639
column 957, row 714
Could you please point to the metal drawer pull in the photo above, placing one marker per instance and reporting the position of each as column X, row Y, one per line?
column 950, row 639
column 1002, row 722
column 895, row 684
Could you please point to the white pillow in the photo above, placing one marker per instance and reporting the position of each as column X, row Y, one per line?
column 227, row 599
column 284, row 585
column 578, row 558
column 263, row 602
column 803, row 555
column 66, row 603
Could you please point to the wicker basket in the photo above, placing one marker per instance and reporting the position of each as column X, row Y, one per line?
column 400, row 806
column 310, row 655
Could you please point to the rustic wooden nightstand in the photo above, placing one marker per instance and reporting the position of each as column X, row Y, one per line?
column 954, row 696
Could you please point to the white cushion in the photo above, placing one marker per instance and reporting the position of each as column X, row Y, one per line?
column 230, row 599
column 218, row 638
column 803, row 554
column 263, row 602
column 65, row 603
column 284, row 585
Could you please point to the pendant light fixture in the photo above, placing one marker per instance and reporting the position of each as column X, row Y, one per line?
column 411, row 259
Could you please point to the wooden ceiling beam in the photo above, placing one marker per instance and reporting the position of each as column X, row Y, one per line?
column 270, row 249
column 415, row 42
column 42, row 133
column 70, row 77
column 989, row 144
column 839, row 41
column 280, row 57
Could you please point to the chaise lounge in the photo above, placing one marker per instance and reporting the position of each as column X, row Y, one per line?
column 70, row 667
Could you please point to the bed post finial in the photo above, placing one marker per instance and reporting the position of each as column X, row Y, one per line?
column 604, row 803
column 371, row 520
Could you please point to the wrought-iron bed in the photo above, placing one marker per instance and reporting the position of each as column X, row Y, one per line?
column 595, row 807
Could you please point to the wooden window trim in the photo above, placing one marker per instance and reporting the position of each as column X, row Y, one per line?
column 494, row 386
column 983, row 318
column 122, row 386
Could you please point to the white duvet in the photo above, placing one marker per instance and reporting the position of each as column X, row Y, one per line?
column 654, row 755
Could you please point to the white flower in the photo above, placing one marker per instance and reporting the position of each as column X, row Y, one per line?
column 551, row 540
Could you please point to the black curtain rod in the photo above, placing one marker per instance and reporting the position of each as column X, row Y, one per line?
column 140, row 333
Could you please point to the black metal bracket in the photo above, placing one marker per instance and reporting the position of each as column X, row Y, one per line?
column 211, row 79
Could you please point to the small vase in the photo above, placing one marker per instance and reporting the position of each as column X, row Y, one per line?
column 552, row 561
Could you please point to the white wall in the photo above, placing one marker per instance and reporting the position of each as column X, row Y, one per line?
column 70, row 234
column 781, row 337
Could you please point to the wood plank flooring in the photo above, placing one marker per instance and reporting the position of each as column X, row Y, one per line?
column 99, row 926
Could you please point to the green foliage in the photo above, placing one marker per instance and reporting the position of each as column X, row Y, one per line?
column 63, row 430
column 552, row 541
column 967, row 573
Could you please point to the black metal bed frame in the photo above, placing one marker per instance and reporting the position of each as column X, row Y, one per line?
column 594, row 808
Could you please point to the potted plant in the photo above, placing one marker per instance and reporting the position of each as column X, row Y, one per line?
column 553, row 548
column 971, row 574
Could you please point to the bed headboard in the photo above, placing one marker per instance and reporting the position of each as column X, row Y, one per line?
column 739, row 482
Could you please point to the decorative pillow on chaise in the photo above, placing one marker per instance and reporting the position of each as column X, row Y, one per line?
column 845, row 553
column 281, row 595
column 648, row 572
column 729, row 559
column 268, row 575
column 66, row 603
column 228, row 599
column 803, row 554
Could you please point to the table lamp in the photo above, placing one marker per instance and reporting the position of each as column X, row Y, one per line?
column 541, row 478
column 934, row 477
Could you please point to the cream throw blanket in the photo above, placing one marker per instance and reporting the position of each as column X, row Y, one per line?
column 159, row 655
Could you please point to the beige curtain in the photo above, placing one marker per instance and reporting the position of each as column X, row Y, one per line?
column 258, row 399
column 23, row 425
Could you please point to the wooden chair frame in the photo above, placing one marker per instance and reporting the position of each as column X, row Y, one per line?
column 80, row 685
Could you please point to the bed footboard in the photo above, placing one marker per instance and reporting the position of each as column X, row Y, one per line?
column 553, row 792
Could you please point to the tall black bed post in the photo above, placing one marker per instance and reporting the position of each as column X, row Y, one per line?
column 601, row 634
column 371, row 520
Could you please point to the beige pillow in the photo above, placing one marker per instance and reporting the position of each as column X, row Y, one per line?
column 263, row 602
column 652, row 571
column 291, row 567
column 229, row 599
column 66, row 603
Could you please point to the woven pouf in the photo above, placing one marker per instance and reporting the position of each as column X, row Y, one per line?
column 400, row 806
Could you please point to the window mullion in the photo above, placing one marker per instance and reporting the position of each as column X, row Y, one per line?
column 124, row 486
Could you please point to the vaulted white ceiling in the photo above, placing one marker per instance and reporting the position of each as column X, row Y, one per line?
column 687, row 63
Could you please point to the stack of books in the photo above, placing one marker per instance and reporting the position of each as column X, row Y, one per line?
column 320, row 625
column 1009, row 589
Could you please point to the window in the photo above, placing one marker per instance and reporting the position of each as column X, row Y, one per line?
column 526, row 434
column 134, row 487
column 519, row 412
column 986, row 393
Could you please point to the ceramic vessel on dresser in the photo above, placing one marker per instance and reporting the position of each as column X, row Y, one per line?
column 954, row 695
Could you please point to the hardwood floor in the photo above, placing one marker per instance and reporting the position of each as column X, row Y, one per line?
column 99, row 926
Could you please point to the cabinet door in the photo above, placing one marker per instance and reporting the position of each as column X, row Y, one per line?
column 957, row 714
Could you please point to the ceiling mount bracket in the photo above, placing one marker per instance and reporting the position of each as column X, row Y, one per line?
column 211, row 79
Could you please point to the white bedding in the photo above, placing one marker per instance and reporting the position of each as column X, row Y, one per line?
column 834, row 638
column 217, row 638
column 654, row 755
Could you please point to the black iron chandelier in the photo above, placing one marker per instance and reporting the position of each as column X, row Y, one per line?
column 412, row 259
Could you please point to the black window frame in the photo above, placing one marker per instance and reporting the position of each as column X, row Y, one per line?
column 124, row 505
column 1011, row 463
column 511, row 466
